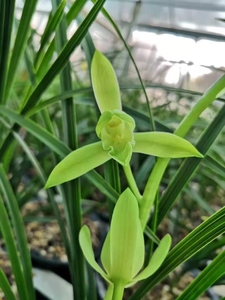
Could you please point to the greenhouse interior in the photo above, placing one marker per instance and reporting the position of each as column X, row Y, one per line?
column 112, row 150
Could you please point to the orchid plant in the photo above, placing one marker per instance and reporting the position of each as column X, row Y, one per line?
column 123, row 251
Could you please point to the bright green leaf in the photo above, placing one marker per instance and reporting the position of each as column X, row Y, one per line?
column 5, row 286
column 163, row 144
column 78, row 163
column 105, row 84
column 205, row 279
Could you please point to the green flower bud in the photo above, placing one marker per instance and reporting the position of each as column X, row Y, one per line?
column 115, row 129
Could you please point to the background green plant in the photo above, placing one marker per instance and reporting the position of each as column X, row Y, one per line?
column 46, row 111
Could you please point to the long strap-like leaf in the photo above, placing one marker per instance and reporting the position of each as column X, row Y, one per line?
column 206, row 278
column 6, row 22
column 191, row 244
column 5, row 286
column 12, row 252
column 19, row 229
column 63, row 57
column 189, row 165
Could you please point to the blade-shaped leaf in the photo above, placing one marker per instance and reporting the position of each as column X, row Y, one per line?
column 19, row 229
column 205, row 279
column 63, row 57
column 163, row 144
column 74, row 10
column 189, row 165
column 105, row 84
column 201, row 236
column 5, row 287
column 20, row 43
column 10, row 243
column 6, row 24
column 78, row 163
column 41, row 133
column 53, row 22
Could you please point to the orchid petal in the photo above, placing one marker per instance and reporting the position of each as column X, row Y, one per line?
column 156, row 260
column 86, row 246
column 109, row 293
column 115, row 129
column 139, row 251
column 78, row 163
column 105, row 84
column 123, row 237
column 163, row 144
column 105, row 254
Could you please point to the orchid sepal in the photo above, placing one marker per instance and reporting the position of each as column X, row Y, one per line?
column 77, row 163
column 104, row 83
column 163, row 144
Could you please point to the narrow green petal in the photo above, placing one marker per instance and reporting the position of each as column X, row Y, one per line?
column 105, row 84
column 105, row 254
column 123, row 237
column 157, row 259
column 86, row 246
column 109, row 293
column 78, row 163
column 163, row 144
column 139, row 252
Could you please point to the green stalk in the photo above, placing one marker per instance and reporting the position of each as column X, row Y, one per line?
column 118, row 292
column 155, row 178
column 132, row 182
column 111, row 172
column 153, row 225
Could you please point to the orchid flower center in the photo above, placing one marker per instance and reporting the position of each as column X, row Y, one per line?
column 115, row 129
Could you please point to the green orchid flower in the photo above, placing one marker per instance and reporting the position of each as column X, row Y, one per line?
column 123, row 251
column 115, row 128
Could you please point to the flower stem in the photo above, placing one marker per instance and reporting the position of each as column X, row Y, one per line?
column 132, row 182
column 157, row 173
column 118, row 292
